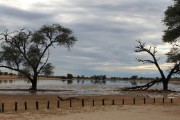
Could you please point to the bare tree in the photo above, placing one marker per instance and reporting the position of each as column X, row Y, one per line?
column 151, row 51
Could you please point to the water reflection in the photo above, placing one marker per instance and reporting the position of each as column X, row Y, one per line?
column 6, row 81
column 134, row 83
column 122, row 83
column 99, row 82
column 69, row 82
column 82, row 81
column 80, row 86
column 63, row 81
column 14, row 81
column 78, row 81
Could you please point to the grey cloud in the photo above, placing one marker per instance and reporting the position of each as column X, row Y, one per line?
column 119, row 6
column 106, row 32
column 15, row 13
column 15, row 18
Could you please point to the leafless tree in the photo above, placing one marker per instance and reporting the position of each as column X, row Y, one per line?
column 151, row 51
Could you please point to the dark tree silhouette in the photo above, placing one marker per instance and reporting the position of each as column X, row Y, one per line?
column 172, row 32
column 69, row 76
column 171, row 35
column 172, row 21
column 28, row 52
column 141, row 47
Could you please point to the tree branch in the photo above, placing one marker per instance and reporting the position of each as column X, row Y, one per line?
column 145, row 61
column 174, row 70
column 18, row 70
column 44, row 63
column 142, row 48
column 143, row 87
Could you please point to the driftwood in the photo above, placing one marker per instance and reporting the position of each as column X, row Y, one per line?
column 67, row 99
column 143, row 87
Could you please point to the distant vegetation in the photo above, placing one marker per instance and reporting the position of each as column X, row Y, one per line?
column 94, row 77
column 6, row 73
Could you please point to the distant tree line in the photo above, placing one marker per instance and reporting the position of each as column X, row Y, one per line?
column 94, row 77
column 6, row 73
column 132, row 78
column 99, row 77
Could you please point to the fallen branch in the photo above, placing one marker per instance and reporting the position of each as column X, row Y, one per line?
column 65, row 99
column 143, row 87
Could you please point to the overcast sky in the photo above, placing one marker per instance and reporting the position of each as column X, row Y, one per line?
column 106, row 30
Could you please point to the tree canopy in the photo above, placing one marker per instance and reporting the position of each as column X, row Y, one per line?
column 28, row 52
column 172, row 21
column 172, row 33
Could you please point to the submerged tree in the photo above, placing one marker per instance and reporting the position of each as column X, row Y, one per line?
column 28, row 52
column 141, row 47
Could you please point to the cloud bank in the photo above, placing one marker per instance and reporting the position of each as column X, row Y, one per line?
column 106, row 31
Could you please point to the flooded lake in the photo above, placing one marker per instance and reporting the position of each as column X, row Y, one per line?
column 77, row 87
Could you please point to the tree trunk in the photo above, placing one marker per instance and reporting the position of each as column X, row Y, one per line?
column 34, row 80
column 165, row 84
column 34, row 84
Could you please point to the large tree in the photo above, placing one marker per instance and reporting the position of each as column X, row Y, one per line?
column 172, row 33
column 28, row 52
column 172, row 21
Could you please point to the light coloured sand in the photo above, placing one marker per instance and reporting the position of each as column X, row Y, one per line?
column 146, row 112
column 150, row 111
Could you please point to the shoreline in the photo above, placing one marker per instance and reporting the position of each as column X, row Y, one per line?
column 15, row 77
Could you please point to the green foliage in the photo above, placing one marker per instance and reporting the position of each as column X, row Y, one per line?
column 48, row 69
column 25, row 72
column 172, row 34
column 134, row 77
column 173, row 55
column 69, row 76
column 172, row 21
column 56, row 33
column 10, row 55
column 28, row 52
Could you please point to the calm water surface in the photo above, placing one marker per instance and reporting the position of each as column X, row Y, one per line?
column 77, row 87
